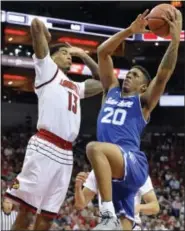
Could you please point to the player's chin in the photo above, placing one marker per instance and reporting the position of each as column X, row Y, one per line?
column 126, row 88
column 67, row 67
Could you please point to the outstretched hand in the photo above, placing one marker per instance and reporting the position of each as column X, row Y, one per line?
column 139, row 25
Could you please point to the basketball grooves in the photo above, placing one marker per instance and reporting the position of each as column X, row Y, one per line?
column 159, row 19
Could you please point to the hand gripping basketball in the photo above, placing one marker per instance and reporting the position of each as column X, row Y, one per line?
column 174, row 20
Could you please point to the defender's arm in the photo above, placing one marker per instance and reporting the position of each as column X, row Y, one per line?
column 85, row 195
column 92, row 87
column 40, row 38
column 92, row 65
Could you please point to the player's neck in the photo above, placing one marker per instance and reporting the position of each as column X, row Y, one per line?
column 64, row 70
column 123, row 93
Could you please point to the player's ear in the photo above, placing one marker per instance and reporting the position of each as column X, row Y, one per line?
column 143, row 88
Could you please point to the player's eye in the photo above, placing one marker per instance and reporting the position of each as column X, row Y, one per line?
column 64, row 52
column 135, row 74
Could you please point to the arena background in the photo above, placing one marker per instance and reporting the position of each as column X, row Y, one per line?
column 87, row 24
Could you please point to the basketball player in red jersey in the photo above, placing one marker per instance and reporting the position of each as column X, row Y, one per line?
column 42, row 185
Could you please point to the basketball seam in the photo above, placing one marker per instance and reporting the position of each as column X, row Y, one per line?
column 159, row 18
column 159, row 26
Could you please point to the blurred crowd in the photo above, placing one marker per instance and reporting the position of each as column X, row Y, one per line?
column 166, row 160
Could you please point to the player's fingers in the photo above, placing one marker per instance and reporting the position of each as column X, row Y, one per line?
column 166, row 19
column 68, row 44
column 147, row 31
column 170, row 15
column 144, row 14
column 139, row 17
column 179, row 15
column 83, row 174
column 81, row 178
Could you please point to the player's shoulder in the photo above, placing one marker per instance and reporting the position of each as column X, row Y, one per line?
column 114, row 90
column 148, row 186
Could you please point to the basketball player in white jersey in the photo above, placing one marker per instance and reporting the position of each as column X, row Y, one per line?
column 84, row 195
column 42, row 185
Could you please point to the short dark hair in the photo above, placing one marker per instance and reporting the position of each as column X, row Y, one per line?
column 144, row 71
column 54, row 48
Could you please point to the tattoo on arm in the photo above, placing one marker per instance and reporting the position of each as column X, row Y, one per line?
column 92, row 65
column 168, row 62
column 92, row 87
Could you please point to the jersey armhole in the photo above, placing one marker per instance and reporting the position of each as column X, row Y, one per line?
column 47, row 82
column 112, row 90
column 140, row 106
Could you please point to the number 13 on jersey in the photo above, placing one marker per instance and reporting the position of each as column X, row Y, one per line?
column 72, row 102
column 114, row 116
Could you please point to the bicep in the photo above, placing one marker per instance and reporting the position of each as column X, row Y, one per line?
column 92, row 87
column 39, row 38
column 152, row 95
column 106, row 72
column 88, row 194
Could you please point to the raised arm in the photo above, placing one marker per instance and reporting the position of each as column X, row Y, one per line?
column 92, row 86
column 106, row 49
column 40, row 38
column 156, row 88
column 82, row 196
column 88, row 61
column 151, row 206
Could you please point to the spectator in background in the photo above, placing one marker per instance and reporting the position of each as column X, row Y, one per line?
column 176, row 206
column 4, row 170
column 8, row 152
column 162, row 174
column 168, row 176
column 174, row 183
column 164, row 216
column 8, row 215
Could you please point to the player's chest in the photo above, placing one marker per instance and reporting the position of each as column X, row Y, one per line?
column 116, row 111
column 119, row 104
column 64, row 95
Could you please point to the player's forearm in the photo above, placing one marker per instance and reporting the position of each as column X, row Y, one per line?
column 151, row 208
column 37, row 27
column 80, row 202
column 168, row 62
column 111, row 44
column 92, row 65
column 40, row 38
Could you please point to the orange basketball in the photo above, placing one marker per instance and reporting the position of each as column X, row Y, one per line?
column 156, row 24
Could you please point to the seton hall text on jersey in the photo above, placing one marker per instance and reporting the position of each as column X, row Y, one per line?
column 123, row 103
column 70, row 85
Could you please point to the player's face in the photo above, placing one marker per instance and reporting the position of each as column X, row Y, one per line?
column 63, row 59
column 134, row 81
column 7, row 205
